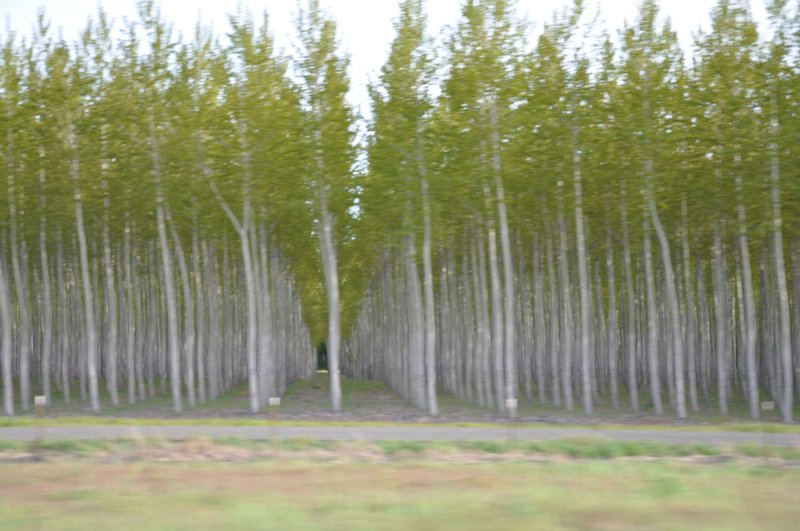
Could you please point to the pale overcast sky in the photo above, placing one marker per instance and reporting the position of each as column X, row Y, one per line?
column 365, row 26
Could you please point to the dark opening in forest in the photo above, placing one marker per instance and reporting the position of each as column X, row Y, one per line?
column 322, row 356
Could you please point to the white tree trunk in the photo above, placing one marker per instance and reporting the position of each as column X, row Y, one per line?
column 583, row 275
column 784, row 330
column 509, row 310
column 168, row 276
column 567, row 332
column 630, row 310
column 652, row 324
column 674, row 316
column 690, row 313
column 427, row 280
column 7, row 327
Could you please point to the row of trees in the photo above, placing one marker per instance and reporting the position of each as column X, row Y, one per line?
column 567, row 221
column 145, row 179
column 622, row 221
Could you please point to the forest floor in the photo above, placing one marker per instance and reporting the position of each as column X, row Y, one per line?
column 370, row 401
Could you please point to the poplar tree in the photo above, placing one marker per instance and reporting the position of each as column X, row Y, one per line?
column 328, row 122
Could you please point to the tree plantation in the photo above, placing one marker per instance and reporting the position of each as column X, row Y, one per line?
column 564, row 215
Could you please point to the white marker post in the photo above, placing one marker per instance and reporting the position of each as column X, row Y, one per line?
column 39, row 404
column 511, row 407
column 274, row 414
column 767, row 405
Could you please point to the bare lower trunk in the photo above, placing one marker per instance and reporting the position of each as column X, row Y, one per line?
column 415, row 328
column 497, row 321
column 201, row 319
column 427, row 280
column 168, row 277
column 567, row 328
column 485, row 328
column 509, row 345
column 189, row 333
column 674, row 315
column 111, row 334
column 7, row 326
column 88, row 299
column 266, row 354
column 690, row 313
column 652, row 328
column 583, row 276
column 47, row 319
column 130, row 347
column 784, row 330
column 539, row 331
column 749, row 313
column 63, row 310
column 613, row 326
column 331, row 273
column 554, row 336
column 252, row 323
column 630, row 321
column 47, row 305
column 721, row 314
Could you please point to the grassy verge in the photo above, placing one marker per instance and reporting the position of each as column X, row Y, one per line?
column 306, row 494
column 201, row 448
column 265, row 420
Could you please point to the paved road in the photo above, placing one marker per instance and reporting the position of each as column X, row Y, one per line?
column 369, row 433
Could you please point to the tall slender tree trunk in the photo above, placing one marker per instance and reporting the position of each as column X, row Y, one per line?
column 250, row 296
column 88, row 300
column 189, row 332
column 168, row 276
column 497, row 313
column 509, row 343
column 427, row 280
column 583, row 275
column 111, row 316
column 202, row 332
column 567, row 331
column 63, row 309
column 133, row 329
column 331, row 273
column 20, row 288
column 721, row 315
column 613, row 325
column 6, row 346
column 482, row 331
column 415, row 327
column 485, row 331
column 630, row 307
column 749, row 313
column 690, row 319
column 266, row 353
column 539, row 329
column 674, row 315
column 47, row 297
column 652, row 328
column 554, row 335
column 784, row 329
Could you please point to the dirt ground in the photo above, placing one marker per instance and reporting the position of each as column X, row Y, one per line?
column 309, row 400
